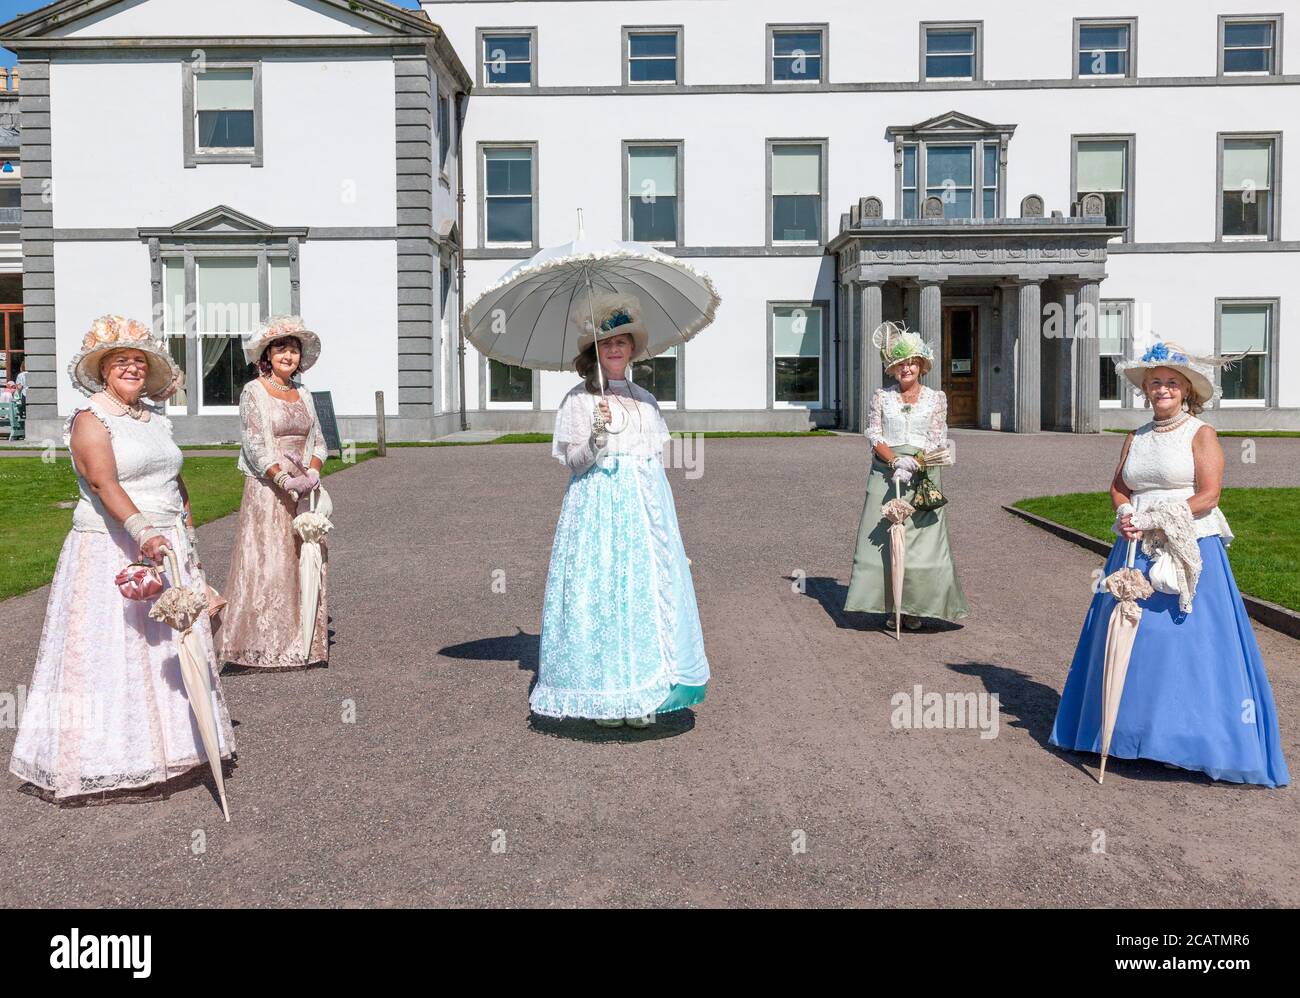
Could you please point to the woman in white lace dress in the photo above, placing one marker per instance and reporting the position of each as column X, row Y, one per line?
column 906, row 419
column 1196, row 695
column 621, row 636
column 106, row 710
column 281, row 456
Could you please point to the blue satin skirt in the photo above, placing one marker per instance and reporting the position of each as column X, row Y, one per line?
column 620, row 628
column 1196, row 694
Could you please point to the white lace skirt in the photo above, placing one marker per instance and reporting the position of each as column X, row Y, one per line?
column 107, row 709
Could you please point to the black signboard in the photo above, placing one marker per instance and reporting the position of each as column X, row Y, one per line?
column 329, row 424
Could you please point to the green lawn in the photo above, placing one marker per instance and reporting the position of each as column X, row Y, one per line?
column 33, row 526
column 1264, row 555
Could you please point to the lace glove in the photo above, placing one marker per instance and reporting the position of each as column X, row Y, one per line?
column 902, row 476
column 1125, row 509
column 300, row 485
column 906, row 463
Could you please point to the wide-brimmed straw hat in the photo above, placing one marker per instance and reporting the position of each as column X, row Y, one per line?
column 110, row 333
column 615, row 315
column 277, row 328
column 897, row 343
column 1199, row 371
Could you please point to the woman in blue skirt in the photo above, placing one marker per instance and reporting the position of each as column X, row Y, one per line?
column 621, row 634
column 1196, row 695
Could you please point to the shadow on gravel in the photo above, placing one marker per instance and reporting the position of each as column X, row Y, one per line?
column 1032, row 704
column 679, row 722
column 830, row 593
column 520, row 647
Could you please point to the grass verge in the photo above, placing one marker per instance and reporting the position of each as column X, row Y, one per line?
column 1263, row 556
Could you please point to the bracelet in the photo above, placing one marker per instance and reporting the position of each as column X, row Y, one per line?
column 280, row 479
column 1125, row 509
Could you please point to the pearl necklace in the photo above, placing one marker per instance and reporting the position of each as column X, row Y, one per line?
column 272, row 383
column 1172, row 423
column 133, row 409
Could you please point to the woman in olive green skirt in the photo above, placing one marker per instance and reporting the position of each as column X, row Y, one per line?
column 906, row 419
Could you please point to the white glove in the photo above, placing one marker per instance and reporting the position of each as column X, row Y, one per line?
column 902, row 476
column 905, row 463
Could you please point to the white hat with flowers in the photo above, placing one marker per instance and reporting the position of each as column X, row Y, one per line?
column 110, row 333
column 1198, row 370
column 897, row 343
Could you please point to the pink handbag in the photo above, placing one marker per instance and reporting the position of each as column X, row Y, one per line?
column 139, row 581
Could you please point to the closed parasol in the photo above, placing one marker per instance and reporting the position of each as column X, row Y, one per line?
column 179, row 607
column 311, row 526
column 896, row 511
column 1127, row 585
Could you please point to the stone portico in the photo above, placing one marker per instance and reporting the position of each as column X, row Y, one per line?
column 1009, row 306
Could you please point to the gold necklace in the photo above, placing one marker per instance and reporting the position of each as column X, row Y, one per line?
column 133, row 409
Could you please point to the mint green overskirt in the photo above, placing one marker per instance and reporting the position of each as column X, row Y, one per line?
column 930, row 585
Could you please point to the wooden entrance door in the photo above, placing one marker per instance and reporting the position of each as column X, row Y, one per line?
column 961, row 367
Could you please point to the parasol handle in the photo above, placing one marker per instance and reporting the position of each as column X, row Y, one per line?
column 1132, row 553
column 172, row 567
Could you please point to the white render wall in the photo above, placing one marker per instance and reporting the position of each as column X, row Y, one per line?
column 1174, row 196
column 117, row 152
column 234, row 18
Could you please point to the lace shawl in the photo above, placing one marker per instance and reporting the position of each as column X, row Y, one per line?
column 1168, row 527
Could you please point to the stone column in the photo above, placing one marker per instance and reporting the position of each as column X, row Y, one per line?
column 1087, row 360
column 1005, row 391
column 931, row 329
column 871, row 314
column 1029, row 395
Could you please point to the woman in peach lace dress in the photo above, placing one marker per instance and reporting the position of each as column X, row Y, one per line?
column 282, row 452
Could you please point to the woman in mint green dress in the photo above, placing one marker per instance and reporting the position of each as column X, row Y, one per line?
column 621, row 637
column 906, row 419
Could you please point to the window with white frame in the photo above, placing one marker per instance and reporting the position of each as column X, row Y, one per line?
column 950, row 52
column 797, row 355
column 1104, row 48
column 658, row 376
column 224, row 111
column 1246, row 329
column 508, row 384
column 652, row 198
column 174, row 322
column 796, row 210
column 796, row 55
column 1249, row 45
column 508, row 206
column 954, row 172
column 1112, row 340
column 507, row 59
column 652, row 56
column 1101, row 167
column 1247, row 207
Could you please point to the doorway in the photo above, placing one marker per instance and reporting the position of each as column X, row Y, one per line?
column 960, row 377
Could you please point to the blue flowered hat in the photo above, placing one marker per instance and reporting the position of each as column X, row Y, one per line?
column 1199, row 371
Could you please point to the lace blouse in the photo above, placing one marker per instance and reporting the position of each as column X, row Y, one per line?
column 637, row 426
column 148, row 464
column 923, row 424
column 1160, row 466
column 257, row 450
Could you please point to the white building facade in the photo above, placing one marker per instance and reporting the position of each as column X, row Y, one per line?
column 213, row 164
column 1035, row 187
